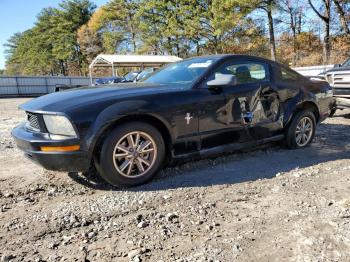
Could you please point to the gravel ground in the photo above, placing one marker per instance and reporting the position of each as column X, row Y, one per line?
column 269, row 204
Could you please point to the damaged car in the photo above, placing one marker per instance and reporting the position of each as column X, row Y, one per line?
column 199, row 107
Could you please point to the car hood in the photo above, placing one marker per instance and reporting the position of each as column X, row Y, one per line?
column 339, row 69
column 89, row 96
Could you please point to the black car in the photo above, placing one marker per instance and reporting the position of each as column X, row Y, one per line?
column 197, row 107
column 131, row 76
column 108, row 80
column 136, row 76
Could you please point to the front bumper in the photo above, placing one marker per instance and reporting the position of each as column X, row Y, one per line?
column 30, row 143
column 342, row 102
column 342, row 96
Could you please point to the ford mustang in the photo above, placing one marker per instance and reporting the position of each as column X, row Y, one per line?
column 194, row 108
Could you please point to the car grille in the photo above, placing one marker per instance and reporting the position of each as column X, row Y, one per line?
column 339, row 79
column 33, row 121
column 340, row 82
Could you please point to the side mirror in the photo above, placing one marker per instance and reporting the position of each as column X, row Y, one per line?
column 337, row 65
column 222, row 80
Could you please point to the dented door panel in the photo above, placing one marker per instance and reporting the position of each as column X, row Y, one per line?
column 252, row 105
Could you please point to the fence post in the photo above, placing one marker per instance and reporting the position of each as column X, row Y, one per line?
column 17, row 86
column 46, row 85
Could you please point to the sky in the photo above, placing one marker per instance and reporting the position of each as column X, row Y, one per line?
column 20, row 15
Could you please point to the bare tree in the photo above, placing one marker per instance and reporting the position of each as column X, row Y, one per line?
column 294, row 10
column 344, row 18
column 268, row 6
column 326, row 18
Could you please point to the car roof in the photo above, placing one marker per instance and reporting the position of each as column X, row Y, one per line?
column 240, row 56
column 224, row 56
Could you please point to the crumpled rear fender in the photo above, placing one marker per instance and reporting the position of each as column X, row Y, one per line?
column 296, row 103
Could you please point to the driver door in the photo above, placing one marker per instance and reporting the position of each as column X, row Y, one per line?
column 253, row 103
column 244, row 110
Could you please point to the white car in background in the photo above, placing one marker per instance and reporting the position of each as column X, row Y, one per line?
column 339, row 79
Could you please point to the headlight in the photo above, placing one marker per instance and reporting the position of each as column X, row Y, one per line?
column 330, row 79
column 59, row 125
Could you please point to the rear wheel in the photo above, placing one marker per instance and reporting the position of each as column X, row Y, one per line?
column 131, row 154
column 301, row 130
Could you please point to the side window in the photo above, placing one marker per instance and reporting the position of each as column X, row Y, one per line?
column 245, row 72
column 289, row 75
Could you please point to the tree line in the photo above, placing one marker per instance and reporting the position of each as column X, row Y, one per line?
column 65, row 39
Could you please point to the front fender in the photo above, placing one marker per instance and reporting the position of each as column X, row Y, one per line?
column 110, row 115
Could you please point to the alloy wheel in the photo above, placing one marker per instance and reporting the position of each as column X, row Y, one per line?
column 134, row 154
column 304, row 131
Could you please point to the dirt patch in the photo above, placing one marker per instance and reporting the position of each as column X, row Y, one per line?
column 269, row 204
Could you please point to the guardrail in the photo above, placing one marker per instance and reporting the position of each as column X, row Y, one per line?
column 312, row 70
column 36, row 85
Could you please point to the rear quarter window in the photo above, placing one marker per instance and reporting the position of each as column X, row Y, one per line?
column 257, row 71
column 289, row 75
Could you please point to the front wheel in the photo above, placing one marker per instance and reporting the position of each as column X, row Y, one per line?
column 301, row 130
column 131, row 154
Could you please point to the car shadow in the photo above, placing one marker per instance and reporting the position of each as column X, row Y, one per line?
column 332, row 142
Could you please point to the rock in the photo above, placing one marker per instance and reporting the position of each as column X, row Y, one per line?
column 53, row 245
column 66, row 239
column 298, row 174
column 8, row 195
column 171, row 216
column 198, row 222
column 208, row 227
column 158, row 216
column 7, row 258
column 166, row 197
column 139, row 218
column 52, row 191
column 142, row 224
column 134, row 253
column 84, row 222
column 72, row 219
column 236, row 248
column 91, row 234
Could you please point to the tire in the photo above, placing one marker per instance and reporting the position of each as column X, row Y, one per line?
column 293, row 140
column 126, row 168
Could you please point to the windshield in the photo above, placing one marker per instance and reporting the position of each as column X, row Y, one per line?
column 131, row 76
column 145, row 73
column 184, row 72
column 347, row 63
